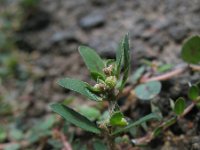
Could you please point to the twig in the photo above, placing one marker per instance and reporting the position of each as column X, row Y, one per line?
column 178, row 70
column 66, row 144
column 165, row 76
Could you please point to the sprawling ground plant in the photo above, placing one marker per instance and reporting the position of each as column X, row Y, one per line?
column 111, row 77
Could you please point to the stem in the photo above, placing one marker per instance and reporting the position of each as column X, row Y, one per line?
column 109, row 137
column 111, row 142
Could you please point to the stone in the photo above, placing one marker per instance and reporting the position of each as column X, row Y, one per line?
column 92, row 20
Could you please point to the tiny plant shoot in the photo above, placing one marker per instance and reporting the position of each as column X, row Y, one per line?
column 111, row 77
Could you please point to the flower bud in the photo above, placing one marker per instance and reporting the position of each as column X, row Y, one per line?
column 100, row 87
column 108, row 70
column 111, row 81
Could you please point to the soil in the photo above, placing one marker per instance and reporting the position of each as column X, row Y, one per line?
column 47, row 50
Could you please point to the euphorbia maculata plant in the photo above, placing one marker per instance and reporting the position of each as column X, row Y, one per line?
column 111, row 77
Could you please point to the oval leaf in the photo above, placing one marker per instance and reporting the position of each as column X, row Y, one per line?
column 193, row 92
column 92, row 60
column 148, row 90
column 191, row 50
column 137, row 74
column 138, row 122
column 78, row 86
column 75, row 118
column 179, row 106
column 117, row 119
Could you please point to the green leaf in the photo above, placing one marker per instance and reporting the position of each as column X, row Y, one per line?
column 16, row 134
column 191, row 50
column 3, row 134
column 148, row 90
column 78, row 86
column 193, row 92
column 117, row 119
column 89, row 112
column 119, row 57
column 75, row 118
column 47, row 123
column 164, row 68
column 138, row 122
column 157, row 131
column 97, row 75
column 169, row 122
column 92, row 60
column 13, row 146
column 137, row 74
column 126, row 59
column 179, row 106
column 99, row 145
column 165, row 125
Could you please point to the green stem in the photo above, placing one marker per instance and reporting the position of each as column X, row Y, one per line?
column 109, row 137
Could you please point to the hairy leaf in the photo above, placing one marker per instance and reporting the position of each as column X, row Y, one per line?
column 92, row 60
column 78, row 86
column 75, row 118
column 119, row 57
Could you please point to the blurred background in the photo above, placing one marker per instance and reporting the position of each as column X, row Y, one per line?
column 39, row 42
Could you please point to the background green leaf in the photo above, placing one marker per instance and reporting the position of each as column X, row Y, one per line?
column 137, row 74
column 92, row 60
column 179, row 106
column 193, row 92
column 3, row 134
column 75, row 118
column 148, row 90
column 78, row 86
column 99, row 145
column 191, row 50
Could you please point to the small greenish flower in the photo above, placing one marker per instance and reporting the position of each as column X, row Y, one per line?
column 111, row 81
